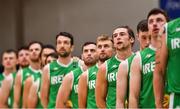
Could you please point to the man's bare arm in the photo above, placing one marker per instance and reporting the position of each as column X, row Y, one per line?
column 64, row 91
column 101, row 87
column 135, row 82
column 122, row 84
column 33, row 96
column 82, row 90
column 159, row 73
column 17, row 90
column 44, row 91
column 5, row 91
column 27, row 85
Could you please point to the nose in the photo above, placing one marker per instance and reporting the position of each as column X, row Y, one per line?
column 147, row 42
column 102, row 49
column 154, row 24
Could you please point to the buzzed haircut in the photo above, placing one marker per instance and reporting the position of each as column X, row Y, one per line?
column 142, row 26
column 66, row 34
column 103, row 37
column 23, row 48
column 87, row 43
column 10, row 51
column 156, row 11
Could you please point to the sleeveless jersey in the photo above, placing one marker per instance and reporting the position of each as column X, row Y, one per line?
column 146, row 98
column 11, row 95
column 173, row 45
column 2, row 76
column 26, row 72
column 112, row 65
column 91, row 101
column 129, row 61
column 74, row 92
column 57, row 71
column 37, row 80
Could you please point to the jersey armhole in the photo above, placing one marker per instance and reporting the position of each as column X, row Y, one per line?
column 106, row 68
column 166, row 33
column 140, row 60
column 10, row 77
column 127, row 65
column 48, row 71
column 87, row 71
column 72, row 79
column 21, row 73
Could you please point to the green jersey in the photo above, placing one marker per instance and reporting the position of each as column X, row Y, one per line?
column 11, row 96
column 25, row 73
column 57, row 71
column 173, row 45
column 37, row 80
column 112, row 65
column 2, row 76
column 91, row 101
column 146, row 98
column 74, row 92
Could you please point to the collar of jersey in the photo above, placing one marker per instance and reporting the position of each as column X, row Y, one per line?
column 153, row 48
column 35, row 71
column 61, row 64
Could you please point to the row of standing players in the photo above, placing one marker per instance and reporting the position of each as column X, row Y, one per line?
column 109, row 74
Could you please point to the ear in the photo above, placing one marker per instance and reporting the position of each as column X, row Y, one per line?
column 72, row 48
column 132, row 40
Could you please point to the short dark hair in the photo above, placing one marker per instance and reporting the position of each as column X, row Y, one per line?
column 54, row 55
column 35, row 42
column 49, row 46
column 23, row 48
column 66, row 34
column 10, row 51
column 142, row 26
column 129, row 30
column 155, row 11
column 87, row 43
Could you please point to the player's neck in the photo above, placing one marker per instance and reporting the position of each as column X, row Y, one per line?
column 35, row 65
column 99, row 63
column 122, row 55
column 8, row 71
column 65, row 60
column 155, row 43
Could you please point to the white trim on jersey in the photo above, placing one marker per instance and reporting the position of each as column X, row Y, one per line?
column 171, row 101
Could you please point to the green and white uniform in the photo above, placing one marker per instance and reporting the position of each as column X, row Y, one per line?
column 11, row 96
column 112, row 65
column 128, row 62
column 74, row 92
column 92, row 72
column 173, row 63
column 2, row 76
column 25, row 73
column 57, row 71
column 37, row 81
column 146, row 97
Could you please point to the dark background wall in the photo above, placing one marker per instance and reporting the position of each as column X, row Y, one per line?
column 22, row 21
